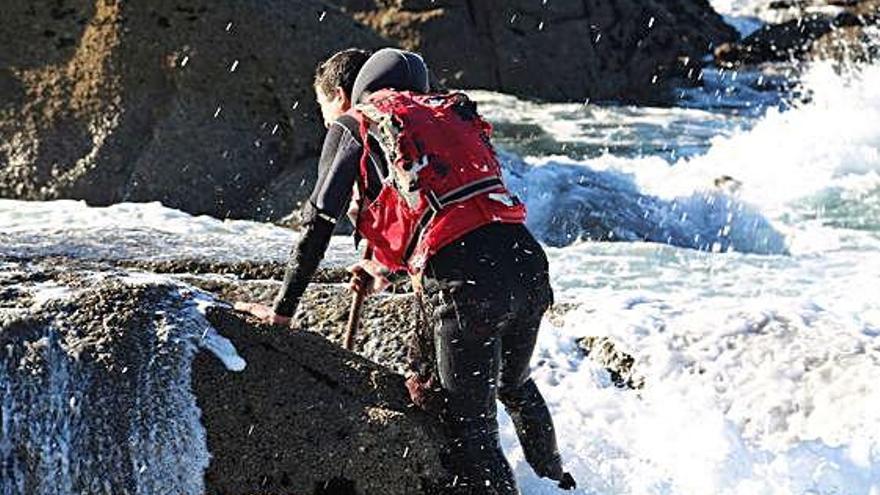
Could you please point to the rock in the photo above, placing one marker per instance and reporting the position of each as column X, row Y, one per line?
column 208, row 107
column 104, row 391
column 309, row 417
column 387, row 319
column 94, row 384
column 778, row 12
column 632, row 50
column 619, row 364
column 847, row 45
column 204, row 106
column 814, row 36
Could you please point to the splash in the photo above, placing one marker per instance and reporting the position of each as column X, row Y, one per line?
column 95, row 393
column 767, row 188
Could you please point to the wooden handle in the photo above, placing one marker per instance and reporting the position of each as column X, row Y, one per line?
column 354, row 316
column 357, row 302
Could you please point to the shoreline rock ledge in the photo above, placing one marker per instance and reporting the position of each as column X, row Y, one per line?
column 105, row 390
column 308, row 417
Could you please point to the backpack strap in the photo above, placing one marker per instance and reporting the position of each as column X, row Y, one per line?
column 351, row 123
column 437, row 204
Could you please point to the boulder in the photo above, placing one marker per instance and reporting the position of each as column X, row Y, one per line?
column 564, row 50
column 619, row 364
column 206, row 106
column 838, row 35
column 309, row 417
column 104, row 390
column 387, row 321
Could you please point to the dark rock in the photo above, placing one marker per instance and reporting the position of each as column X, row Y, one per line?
column 777, row 43
column 559, row 50
column 95, row 390
column 204, row 106
column 619, row 364
column 309, row 416
column 208, row 107
column 812, row 36
column 104, row 392
column 387, row 320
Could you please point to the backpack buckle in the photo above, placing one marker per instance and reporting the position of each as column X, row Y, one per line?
column 505, row 198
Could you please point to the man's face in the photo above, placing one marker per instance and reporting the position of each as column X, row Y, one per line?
column 332, row 106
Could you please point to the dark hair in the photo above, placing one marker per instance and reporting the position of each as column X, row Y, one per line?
column 340, row 70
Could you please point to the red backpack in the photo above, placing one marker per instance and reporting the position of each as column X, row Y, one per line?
column 443, row 181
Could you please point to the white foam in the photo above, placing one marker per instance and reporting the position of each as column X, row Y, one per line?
column 143, row 231
column 44, row 292
column 759, row 373
column 223, row 349
column 798, row 170
column 206, row 335
column 201, row 331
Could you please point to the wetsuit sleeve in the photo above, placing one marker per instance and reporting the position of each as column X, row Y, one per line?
column 337, row 171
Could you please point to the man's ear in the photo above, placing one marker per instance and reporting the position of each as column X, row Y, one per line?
column 343, row 97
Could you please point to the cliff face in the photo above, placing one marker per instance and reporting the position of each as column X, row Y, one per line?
column 205, row 106
column 632, row 50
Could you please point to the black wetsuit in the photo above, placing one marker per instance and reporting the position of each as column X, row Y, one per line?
column 485, row 294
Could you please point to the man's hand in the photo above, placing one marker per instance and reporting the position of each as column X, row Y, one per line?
column 368, row 275
column 263, row 312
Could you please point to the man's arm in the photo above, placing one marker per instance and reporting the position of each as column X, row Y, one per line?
column 337, row 172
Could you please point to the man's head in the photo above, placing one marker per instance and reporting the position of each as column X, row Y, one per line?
column 334, row 79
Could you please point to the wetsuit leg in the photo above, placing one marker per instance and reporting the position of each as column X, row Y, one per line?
column 524, row 403
column 531, row 296
column 488, row 292
column 468, row 358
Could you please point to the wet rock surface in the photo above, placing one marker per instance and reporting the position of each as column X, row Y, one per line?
column 839, row 32
column 95, row 386
column 387, row 319
column 386, row 323
column 309, row 417
column 106, row 355
column 620, row 365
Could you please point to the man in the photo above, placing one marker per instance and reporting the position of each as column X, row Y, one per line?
column 481, row 274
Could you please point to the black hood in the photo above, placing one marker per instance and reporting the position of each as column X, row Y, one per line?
column 390, row 68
